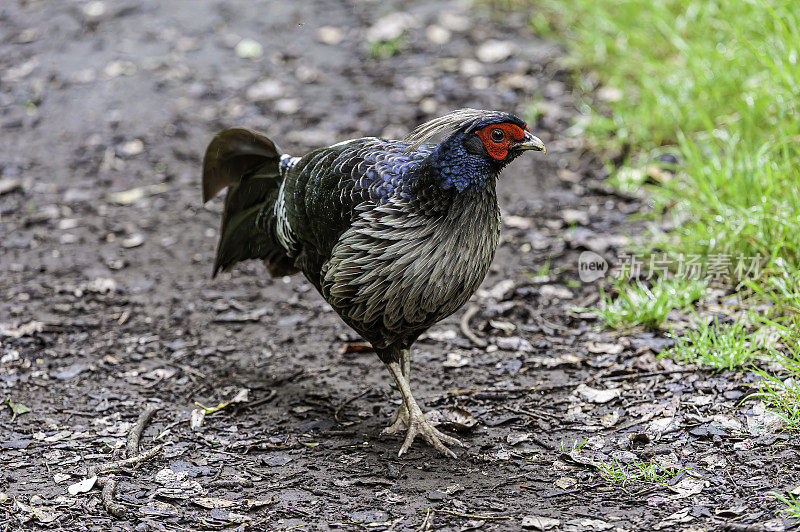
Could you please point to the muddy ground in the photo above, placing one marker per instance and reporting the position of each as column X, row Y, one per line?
column 107, row 303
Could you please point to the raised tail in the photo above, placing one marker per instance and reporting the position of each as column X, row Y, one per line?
column 248, row 164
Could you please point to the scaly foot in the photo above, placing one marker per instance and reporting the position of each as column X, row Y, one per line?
column 418, row 425
column 399, row 421
column 411, row 415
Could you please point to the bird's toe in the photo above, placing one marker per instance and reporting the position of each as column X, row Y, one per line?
column 399, row 422
column 447, row 439
column 420, row 426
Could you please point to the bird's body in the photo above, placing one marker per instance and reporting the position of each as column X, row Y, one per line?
column 394, row 235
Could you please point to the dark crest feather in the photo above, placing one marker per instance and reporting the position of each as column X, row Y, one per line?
column 450, row 122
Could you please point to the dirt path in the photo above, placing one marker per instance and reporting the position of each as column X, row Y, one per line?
column 107, row 305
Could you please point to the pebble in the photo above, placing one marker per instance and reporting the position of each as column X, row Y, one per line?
column 18, row 72
column 554, row 89
column 494, row 51
column 10, row 185
column 306, row 74
column 132, row 148
column 269, row 89
column 287, row 106
column 480, row 83
column 119, row 68
column 390, row 27
column 428, row 106
column 28, row 35
column 93, row 12
column 575, row 216
column 415, row 88
column 330, row 35
column 554, row 291
column 437, row 34
column 84, row 75
column 470, row 67
column 454, row 22
column 249, row 49
column 540, row 522
column 133, row 241
column 519, row 82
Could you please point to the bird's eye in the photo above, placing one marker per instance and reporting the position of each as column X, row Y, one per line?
column 497, row 135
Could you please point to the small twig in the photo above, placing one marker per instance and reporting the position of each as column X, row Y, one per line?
column 109, row 484
column 475, row 516
column 339, row 408
column 649, row 374
column 426, row 523
column 466, row 331
column 240, row 397
column 133, row 460
column 231, row 483
column 549, row 324
column 136, row 432
column 519, row 389
column 112, row 506
column 541, row 443
column 244, row 406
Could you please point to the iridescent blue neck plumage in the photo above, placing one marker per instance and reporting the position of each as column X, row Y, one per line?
column 456, row 168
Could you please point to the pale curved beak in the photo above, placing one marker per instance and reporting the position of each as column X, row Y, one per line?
column 531, row 143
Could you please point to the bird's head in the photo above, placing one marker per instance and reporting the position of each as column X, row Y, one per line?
column 480, row 145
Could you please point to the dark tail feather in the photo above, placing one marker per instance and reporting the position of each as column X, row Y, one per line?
column 248, row 164
column 232, row 154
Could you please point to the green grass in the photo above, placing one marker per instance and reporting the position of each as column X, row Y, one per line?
column 616, row 472
column 385, row 49
column 720, row 346
column 715, row 83
column 572, row 445
column 696, row 105
column 638, row 304
column 792, row 504
column 781, row 390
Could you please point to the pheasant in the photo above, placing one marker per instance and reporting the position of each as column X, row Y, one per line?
column 395, row 235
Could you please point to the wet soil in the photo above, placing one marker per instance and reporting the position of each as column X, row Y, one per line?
column 107, row 304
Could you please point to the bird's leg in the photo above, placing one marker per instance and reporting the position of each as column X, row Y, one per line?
column 417, row 424
column 400, row 419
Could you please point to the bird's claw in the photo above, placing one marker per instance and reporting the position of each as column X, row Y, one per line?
column 418, row 425
column 399, row 421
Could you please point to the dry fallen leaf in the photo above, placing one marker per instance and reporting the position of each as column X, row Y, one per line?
column 126, row 197
column 610, row 419
column 196, row 418
column 457, row 360
column 565, row 482
column 213, row 502
column 83, row 486
column 763, row 421
column 598, row 396
column 604, row 348
column 159, row 508
column 687, row 487
column 515, row 438
column 540, row 522
column 453, row 418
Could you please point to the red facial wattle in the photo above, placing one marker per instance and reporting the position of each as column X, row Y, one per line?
column 498, row 149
